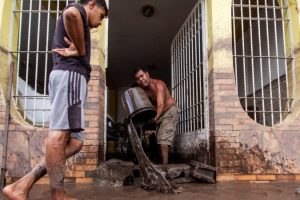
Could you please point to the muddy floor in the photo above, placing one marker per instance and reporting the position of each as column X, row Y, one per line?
column 194, row 191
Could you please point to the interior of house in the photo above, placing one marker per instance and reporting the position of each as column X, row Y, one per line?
column 140, row 34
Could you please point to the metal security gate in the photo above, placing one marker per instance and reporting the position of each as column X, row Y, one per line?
column 189, row 76
column 264, row 61
column 32, row 26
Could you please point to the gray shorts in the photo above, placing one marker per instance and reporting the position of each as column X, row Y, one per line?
column 166, row 126
column 68, row 92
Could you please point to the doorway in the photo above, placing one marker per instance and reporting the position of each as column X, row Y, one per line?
column 140, row 35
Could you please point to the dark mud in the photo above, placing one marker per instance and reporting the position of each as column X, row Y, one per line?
column 195, row 191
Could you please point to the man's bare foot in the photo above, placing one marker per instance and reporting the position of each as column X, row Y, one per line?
column 16, row 191
column 165, row 167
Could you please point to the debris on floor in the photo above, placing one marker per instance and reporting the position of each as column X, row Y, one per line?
column 116, row 173
column 204, row 172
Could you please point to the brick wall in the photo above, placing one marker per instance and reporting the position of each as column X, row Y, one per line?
column 26, row 144
column 244, row 149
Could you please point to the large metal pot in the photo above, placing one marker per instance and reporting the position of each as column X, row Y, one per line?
column 137, row 105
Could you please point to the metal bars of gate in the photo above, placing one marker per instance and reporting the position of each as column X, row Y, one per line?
column 264, row 58
column 36, row 23
column 189, row 74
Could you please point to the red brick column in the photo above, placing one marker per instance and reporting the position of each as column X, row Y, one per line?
column 93, row 150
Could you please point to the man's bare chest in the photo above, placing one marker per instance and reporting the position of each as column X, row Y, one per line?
column 151, row 95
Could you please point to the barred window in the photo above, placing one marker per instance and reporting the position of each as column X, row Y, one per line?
column 263, row 58
column 36, row 20
column 189, row 74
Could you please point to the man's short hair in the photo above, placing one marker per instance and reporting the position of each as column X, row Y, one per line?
column 137, row 69
column 99, row 3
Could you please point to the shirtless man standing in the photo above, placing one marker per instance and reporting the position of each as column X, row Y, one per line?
column 166, row 110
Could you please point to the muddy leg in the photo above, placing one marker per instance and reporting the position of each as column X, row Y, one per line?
column 164, row 150
column 20, row 189
column 55, row 163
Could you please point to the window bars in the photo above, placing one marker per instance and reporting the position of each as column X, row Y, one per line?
column 263, row 58
column 189, row 73
column 36, row 21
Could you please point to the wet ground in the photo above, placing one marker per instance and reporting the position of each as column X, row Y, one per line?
column 192, row 191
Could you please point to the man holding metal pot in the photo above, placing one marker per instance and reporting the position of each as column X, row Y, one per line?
column 166, row 110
